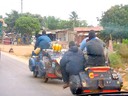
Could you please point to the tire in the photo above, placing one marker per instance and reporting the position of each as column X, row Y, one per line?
column 76, row 91
column 45, row 80
column 35, row 72
column 73, row 91
column 58, row 71
column 31, row 64
column 75, row 84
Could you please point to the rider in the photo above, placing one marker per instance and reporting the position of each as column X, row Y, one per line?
column 71, row 63
column 84, row 41
column 42, row 42
column 95, row 50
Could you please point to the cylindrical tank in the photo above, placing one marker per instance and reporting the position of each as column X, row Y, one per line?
column 56, row 47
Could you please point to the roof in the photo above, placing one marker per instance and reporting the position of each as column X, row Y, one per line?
column 97, row 28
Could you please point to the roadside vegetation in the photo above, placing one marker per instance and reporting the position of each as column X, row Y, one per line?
column 119, row 58
column 119, row 61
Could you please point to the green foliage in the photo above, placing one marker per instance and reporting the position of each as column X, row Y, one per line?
column 74, row 19
column 1, row 16
column 83, row 23
column 27, row 25
column 115, row 22
column 123, row 50
column 1, row 28
column 116, row 47
column 39, row 17
column 63, row 24
column 125, row 41
column 49, row 22
column 115, row 60
column 10, row 20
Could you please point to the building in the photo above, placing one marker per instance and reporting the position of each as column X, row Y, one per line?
column 65, row 35
column 82, row 32
column 77, row 34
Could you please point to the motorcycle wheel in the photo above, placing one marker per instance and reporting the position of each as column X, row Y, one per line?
column 35, row 72
column 76, row 91
column 57, row 71
column 45, row 79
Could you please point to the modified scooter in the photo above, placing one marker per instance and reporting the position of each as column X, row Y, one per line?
column 46, row 64
column 96, row 80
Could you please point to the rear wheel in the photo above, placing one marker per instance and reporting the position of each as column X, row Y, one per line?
column 45, row 79
column 35, row 72
column 76, row 91
column 58, row 71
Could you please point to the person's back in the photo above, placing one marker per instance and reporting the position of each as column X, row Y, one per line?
column 95, row 51
column 75, row 60
column 95, row 47
column 83, row 43
column 72, row 62
column 43, row 41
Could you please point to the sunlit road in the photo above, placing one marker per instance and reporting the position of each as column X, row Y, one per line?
column 17, row 80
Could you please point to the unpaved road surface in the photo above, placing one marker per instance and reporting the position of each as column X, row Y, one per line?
column 17, row 80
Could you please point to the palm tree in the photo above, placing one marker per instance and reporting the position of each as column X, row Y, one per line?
column 74, row 18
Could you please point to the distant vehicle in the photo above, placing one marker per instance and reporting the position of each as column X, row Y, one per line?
column 47, row 66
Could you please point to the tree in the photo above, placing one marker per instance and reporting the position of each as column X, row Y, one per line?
column 27, row 25
column 115, row 22
column 51, row 22
column 74, row 19
column 83, row 23
column 39, row 17
column 64, row 24
column 10, row 20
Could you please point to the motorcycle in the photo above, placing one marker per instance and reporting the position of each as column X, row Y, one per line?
column 96, row 80
column 46, row 65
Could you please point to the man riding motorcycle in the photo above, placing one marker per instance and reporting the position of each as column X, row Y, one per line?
column 72, row 63
column 42, row 42
column 95, row 50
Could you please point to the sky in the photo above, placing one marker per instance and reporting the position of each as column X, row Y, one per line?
column 87, row 10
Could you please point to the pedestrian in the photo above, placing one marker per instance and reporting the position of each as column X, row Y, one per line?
column 72, row 63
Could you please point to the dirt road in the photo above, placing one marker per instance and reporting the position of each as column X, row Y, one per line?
column 20, row 51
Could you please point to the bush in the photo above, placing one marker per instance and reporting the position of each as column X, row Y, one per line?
column 116, row 46
column 115, row 60
column 125, row 41
column 123, row 51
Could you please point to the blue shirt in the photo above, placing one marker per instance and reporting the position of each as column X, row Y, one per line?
column 43, row 41
column 83, row 43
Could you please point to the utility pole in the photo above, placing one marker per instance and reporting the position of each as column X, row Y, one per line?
column 21, row 6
